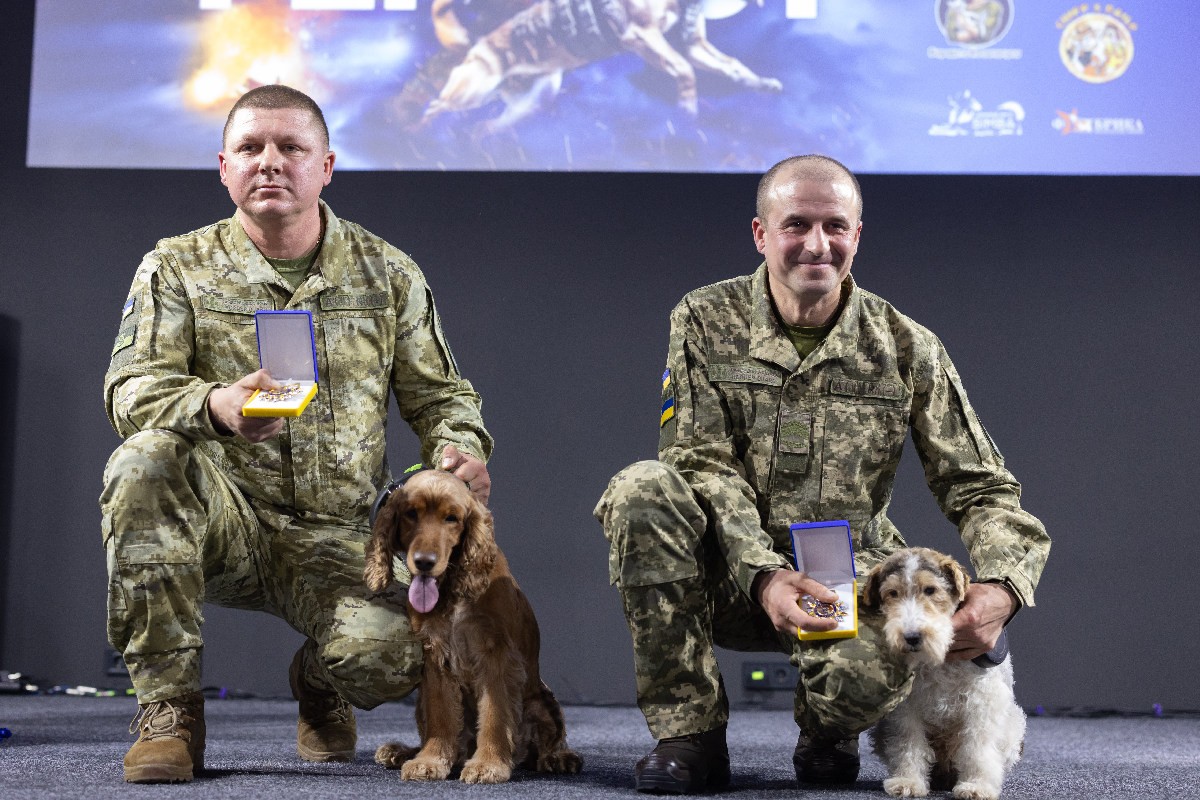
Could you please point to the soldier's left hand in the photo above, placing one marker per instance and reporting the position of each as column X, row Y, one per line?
column 980, row 619
column 470, row 469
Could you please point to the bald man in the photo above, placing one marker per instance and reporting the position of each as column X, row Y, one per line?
column 787, row 397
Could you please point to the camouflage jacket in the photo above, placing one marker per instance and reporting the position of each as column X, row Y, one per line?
column 769, row 440
column 188, row 328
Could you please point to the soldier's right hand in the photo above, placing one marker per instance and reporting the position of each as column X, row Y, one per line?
column 225, row 409
column 779, row 591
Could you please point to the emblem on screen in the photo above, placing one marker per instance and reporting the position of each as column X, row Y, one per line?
column 1096, row 47
column 974, row 23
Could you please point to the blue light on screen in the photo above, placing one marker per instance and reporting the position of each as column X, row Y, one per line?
column 886, row 86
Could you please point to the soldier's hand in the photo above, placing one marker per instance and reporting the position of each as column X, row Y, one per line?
column 778, row 592
column 470, row 469
column 225, row 409
column 980, row 619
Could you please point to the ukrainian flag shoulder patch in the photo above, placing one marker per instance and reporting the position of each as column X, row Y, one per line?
column 667, row 412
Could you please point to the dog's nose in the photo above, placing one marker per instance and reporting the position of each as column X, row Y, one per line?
column 424, row 562
column 913, row 639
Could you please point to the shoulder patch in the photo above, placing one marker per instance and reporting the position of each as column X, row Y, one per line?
column 667, row 410
column 124, row 339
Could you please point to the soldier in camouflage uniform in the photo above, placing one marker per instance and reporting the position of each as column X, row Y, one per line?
column 202, row 504
column 787, row 398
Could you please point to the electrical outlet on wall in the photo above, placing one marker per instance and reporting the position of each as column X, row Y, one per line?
column 768, row 676
column 114, row 664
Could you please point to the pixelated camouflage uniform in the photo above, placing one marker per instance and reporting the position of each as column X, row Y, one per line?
column 753, row 439
column 190, row 515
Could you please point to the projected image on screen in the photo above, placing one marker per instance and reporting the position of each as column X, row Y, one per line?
column 936, row 86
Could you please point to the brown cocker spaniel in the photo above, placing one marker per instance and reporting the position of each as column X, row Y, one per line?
column 481, row 694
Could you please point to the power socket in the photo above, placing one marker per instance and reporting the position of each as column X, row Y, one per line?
column 769, row 676
column 114, row 664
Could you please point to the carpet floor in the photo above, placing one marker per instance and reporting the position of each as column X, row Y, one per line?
column 71, row 747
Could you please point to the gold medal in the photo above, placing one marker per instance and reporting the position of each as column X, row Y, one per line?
column 286, row 392
column 823, row 610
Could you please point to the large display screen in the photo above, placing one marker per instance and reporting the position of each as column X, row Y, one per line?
column 886, row 86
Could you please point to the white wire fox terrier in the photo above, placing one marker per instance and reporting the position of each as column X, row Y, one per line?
column 961, row 721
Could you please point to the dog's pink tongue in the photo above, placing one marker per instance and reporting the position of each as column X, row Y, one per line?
column 423, row 594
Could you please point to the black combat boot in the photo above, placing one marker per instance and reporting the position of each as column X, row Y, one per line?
column 827, row 760
column 689, row 764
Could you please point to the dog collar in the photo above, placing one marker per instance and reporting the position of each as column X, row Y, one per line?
column 386, row 491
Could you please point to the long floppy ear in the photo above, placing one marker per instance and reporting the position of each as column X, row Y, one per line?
column 385, row 533
column 957, row 576
column 478, row 552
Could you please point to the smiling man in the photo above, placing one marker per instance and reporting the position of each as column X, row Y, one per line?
column 788, row 396
column 203, row 504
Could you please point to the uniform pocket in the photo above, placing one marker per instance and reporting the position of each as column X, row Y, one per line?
column 862, row 442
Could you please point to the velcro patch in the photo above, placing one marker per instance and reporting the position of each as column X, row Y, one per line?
column 233, row 305
column 882, row 390
column 795, row 431
column 349, row 302
column 744, row 373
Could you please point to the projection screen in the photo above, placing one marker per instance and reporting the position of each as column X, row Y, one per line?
column 887, row 86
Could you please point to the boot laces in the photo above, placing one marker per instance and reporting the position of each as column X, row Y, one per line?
column 329, row 709
column 157, row 720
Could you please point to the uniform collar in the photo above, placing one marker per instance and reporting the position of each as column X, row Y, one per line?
column 330, row 268
column 769, row 342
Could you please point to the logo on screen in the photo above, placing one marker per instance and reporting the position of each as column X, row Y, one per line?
column 1096, row 46
column 1071, row 123
column 969, row 117
column 973, row 23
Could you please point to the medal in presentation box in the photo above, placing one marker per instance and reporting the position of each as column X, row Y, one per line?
column 286, row 349
column 823, row 551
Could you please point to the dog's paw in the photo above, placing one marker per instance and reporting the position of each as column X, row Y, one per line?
column 563, row 762
column 477, row 771
column 906, row 787
column 425, row 769
column 393, row 755
column 976, row 790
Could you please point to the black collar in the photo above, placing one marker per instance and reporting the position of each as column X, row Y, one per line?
column 386, row 491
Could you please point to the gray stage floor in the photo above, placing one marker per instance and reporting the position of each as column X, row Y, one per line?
column 71, row 747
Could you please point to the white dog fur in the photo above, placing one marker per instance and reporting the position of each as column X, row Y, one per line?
column 961, row 725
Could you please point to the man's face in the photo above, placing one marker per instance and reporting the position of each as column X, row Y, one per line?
column 275, row 163
column 809, row 237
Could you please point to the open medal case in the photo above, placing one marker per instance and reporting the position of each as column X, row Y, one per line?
column 824, row 552
column 286, row 349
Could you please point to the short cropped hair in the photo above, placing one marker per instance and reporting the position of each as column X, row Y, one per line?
column 816, row 166
column 276, row 95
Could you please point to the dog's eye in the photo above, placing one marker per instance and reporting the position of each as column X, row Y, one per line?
column 411, row 514
column 892, row 594
column 930, row 590
column 451, row 518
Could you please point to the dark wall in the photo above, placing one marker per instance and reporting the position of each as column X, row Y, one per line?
column 1067, row 304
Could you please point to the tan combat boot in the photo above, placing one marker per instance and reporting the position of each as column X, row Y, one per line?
column 170, row 745
column 326, row 730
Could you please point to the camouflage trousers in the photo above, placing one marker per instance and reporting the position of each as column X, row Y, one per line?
column 178, row 533
column 681, row 600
